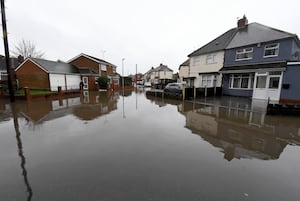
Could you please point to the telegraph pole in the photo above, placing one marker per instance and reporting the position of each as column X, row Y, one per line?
column 8, row 67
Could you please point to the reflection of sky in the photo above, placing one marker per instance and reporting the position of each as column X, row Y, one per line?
column 147, row 154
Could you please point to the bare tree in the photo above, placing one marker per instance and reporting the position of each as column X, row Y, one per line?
column 27, row 48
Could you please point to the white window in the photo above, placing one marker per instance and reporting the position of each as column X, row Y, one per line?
column 196, row 61
column 103, row 67
column 211, row 59
column 241, row 81
column 3, row 75
column 244, row 54
column 116, row 81
column 207, row 80
column 271, row 50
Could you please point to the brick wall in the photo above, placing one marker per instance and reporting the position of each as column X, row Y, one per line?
column 30, row 75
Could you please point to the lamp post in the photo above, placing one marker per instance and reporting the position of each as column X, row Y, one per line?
column 123, row 74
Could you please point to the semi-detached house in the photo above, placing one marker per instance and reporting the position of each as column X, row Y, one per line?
column 263, row 63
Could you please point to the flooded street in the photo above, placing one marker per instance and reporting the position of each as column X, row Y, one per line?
column 109, row 147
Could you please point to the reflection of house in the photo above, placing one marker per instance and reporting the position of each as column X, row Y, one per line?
column 101, row 67
column 47, row 75
column 93, row 106
column 240, row 133
column 100, row 103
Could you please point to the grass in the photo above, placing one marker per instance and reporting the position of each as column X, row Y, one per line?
column 33, row 92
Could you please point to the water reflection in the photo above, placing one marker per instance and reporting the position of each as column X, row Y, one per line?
column 21, row 153
column 241, row 133
column 239, row 129
column 89, row 106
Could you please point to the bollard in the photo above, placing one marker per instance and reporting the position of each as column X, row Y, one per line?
column 1, row 90
column 27, row 93
column 59, row 90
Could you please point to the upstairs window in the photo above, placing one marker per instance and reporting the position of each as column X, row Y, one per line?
column 244, row 54
column 103, row 67
column 196, row 61
column 271, row 50
column 211, row 59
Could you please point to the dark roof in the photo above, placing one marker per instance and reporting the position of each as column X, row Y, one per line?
column 220, row 43
column 99, row 60
column 55, row 66
column 87, row 71
column 255, row 33
column 252, row 33
column 186, row 63
column 162, row 67
column 150, row 71
column 14, row 63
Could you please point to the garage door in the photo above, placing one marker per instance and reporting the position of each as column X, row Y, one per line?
column 57, row 80
column 73, row 81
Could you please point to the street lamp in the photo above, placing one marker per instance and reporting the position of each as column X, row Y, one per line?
column 123, row 73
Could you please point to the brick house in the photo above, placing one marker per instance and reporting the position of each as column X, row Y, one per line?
column 101, row 67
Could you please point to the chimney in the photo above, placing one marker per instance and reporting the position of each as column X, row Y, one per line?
column 20, row 59
column 242, row 22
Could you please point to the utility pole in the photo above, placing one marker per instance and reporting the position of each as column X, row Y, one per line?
column 8, row 66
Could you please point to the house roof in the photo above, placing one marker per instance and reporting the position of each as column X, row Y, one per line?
column 252, row 33
column 162, row 67
column 186, row 63
column 14, row 63
column 150, row 71
column 219, row 43
column 55, row 66
column 255, row 33
column 100, row 61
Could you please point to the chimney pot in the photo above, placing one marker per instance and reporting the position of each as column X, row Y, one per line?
column 242, row 22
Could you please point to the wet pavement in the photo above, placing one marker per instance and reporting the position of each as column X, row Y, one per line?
column 106, row 146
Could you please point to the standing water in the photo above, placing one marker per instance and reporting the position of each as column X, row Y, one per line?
column 109, row 147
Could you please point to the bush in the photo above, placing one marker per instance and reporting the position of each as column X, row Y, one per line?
column 102, row 81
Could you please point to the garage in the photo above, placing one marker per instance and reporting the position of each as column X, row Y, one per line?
column 73, row 81
column 57, row 80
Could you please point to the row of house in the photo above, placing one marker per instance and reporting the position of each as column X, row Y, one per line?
column 250, row 60
column 49, row 75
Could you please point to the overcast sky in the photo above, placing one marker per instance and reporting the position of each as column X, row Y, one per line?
column 144, row 32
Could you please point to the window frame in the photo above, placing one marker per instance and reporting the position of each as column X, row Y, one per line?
column 211, row 59
column 276, row 50
column 196, row 61
column 244, row 51
column 239, row 77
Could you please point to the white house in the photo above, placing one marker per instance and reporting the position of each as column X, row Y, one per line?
column 206, row 62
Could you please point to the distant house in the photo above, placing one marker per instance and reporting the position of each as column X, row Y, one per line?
column 101, row 67
column 184, row 73
column 48, row 75
column 147, row 76
column 205, row 63
column 263, row 63
column 161, row 75
column 14, row 62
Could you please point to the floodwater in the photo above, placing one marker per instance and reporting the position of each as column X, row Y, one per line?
column 110, row 147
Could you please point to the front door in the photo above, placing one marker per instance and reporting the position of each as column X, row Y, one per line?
column 267, row 85
column 85, row 81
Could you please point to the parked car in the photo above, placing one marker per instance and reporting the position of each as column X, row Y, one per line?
column 174, row 88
